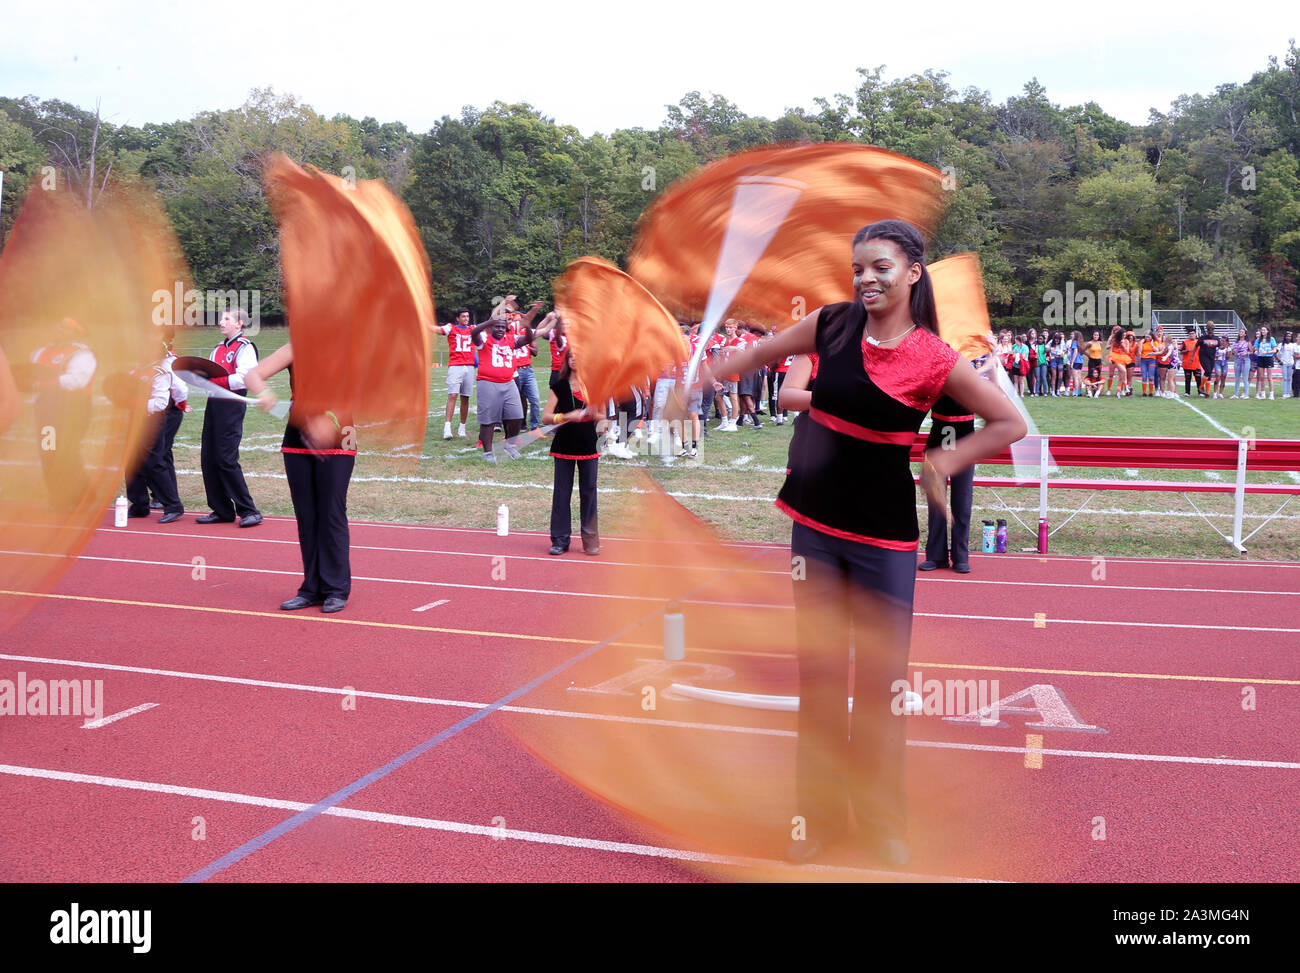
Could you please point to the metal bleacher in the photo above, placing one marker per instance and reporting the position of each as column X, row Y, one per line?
column 1226, row 322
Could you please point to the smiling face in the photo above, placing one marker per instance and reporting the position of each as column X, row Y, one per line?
column 882, row 275
column 463, row 319
column 498, row 330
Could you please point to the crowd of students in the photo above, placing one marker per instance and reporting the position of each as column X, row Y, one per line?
column 1084, row 363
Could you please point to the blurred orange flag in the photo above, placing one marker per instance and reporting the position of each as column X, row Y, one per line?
column 768, row 233
column 360, row 305
column 78, row 291
column 961, row 305
column 619, row 333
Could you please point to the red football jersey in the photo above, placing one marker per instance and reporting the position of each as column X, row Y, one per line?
column 559, row 345
column 460, row 346
column 496, row 360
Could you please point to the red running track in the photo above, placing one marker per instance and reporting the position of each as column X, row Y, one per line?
column 259, row 714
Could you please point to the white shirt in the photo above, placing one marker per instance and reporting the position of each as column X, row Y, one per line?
column 245, row 359
column 1289, row 352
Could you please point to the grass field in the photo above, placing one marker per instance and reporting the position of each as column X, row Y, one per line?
column 733, row 481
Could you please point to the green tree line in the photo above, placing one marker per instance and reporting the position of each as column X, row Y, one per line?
column 1201, row 205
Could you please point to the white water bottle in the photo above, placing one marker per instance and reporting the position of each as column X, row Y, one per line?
column 119, row 512
column 503, row 520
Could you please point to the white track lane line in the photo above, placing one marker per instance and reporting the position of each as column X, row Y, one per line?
column 771, row 547
column 96, row 724
column 188, row 566
column 597, row 563
column 647, row 721
column 460, row 827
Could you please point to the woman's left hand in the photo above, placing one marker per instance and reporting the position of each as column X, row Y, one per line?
column 267, row 400
column 934, row 481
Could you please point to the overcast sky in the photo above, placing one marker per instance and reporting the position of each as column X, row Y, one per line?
column 602, row 64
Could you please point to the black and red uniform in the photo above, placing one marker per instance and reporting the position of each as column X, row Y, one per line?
column 318, row 478
column 223, row 429
column 949, row 422
column 853, row 501
column 573, row 446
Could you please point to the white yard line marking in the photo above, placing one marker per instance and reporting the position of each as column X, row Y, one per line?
column 461, row 827
column 1213, row 475
column 432, row 604
column 96, row 724
column 1211, row 420
column 1132, row 473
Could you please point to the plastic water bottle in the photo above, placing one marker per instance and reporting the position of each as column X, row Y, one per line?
column 1042, row 535
column 119, row 512
column 1002, row 537
column 503, row 520
column 988, row 537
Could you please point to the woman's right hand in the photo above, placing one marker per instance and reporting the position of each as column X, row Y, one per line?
column 267, row 400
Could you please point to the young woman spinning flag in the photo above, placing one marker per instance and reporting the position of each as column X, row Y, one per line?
column 881, row 366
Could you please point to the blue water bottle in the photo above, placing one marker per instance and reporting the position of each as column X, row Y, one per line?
column 1002, row 537
column 987, row 536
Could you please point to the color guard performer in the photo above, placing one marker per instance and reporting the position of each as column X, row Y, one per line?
column 223, row 428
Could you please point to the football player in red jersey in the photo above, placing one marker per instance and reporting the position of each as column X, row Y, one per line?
column 460, row 369
column 498, row 396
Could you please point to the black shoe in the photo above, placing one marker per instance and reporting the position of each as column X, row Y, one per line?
column 155, row 505
column 214, row 519
column 334, row 604
column 961, row 568
column 252, row 520
column 170, row 518
column 297, row 602
column 931, row 565
column 802, row 852
column 557, row 549
column 137, row 512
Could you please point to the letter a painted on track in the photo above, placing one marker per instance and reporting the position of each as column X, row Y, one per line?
column 1048, row 703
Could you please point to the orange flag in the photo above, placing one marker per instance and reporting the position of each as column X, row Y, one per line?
column 78, row 291
column 961, row 305
column 619, row 333
column 768, row 233
column 360, row 306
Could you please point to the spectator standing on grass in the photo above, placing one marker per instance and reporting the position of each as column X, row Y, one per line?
column 1190, row 348
column 1254, row 359
column 1120, row 360
column 1020, row 353
column 1076, row 358
column 1267, row 349
column 1148, row 357
column 1287, row 356
column 1056, row 363
column 1241, row 352
column 1041, row 363
column 460, row 369
column 1208, row 351
column 1094, row 350
column 1220, row 367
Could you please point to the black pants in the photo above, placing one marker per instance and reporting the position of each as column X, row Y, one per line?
column 937, row 548
column 774, row 382
column 859, row 595
column 223, row 479
column 157, row 472
column 1191, row 376
column 561, row 501
column 318, row 486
